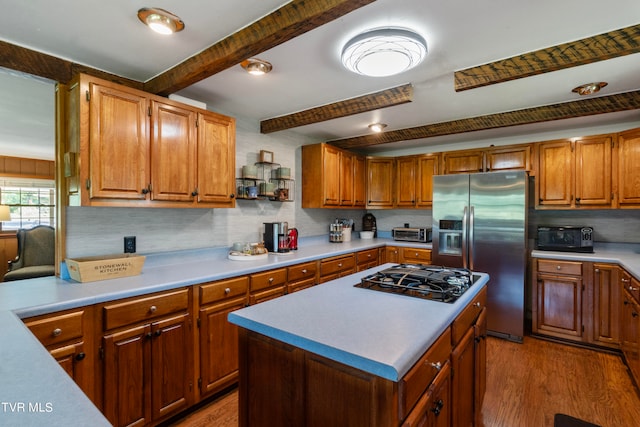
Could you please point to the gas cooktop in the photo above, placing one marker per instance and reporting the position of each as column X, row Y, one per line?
column 431, row 282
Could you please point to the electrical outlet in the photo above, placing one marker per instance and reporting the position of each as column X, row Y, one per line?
column 129, row 244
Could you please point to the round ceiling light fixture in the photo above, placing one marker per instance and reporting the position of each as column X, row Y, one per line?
column 384, row 52
column 377, row 127
column 589, row 88
column 256, row 67
column 160, row 21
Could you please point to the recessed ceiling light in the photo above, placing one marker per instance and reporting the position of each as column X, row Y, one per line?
column 256, row 67
column 589, row 88
column 377, row 127
column 384, row 52
column 160, row 21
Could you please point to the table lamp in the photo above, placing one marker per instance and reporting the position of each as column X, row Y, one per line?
column 5, row 215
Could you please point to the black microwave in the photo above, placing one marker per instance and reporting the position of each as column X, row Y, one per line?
column 565, row 239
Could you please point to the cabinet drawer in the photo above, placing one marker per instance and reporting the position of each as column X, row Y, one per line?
column 224, row 289
column 468, row 316
column 302, row 271
column 142, row 309
column 266, row 295
column 367, row 256
column 335, row 265
column 58, row 328
column 300, row 285
column 268, row 279
column 416, row 255
column 416, row 381
column 559, row 267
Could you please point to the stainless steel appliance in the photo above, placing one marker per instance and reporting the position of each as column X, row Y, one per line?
column 421, row 281
column 276, row 236
column 412, row 234
column 565, row 239
column 480, row 223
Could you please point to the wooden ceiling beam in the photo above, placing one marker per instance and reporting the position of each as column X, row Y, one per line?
column 50, row 67
column 585, row 51
column 361, row 104
column 587, row 107
column 291, row 20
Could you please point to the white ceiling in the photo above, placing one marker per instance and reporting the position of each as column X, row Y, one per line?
column 307, row 72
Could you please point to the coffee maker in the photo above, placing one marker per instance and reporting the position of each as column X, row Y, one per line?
column 276, row 236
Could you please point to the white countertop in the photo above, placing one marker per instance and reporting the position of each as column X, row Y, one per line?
column 377, row 332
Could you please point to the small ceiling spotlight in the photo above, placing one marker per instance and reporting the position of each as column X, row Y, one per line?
column 377, row 127
column 384, row 52
column 256, row 67
column 160, row 21
column 589, row 88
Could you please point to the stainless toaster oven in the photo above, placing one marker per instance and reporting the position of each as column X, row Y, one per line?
column 408, row 234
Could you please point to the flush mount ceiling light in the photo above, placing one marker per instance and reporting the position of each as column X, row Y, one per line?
column 384, row 52
column 256, row 67
column 589, row 88
column 377, row 127
column 160, row 21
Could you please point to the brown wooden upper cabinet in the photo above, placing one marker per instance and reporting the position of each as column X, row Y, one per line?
column 628, row 160
column 130, row 148
column 512, row 157
column 575, row 173
column 332, row 177
column 414, row 183
column 381, row 189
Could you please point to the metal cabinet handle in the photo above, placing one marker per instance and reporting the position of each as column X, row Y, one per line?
column 436, row 365
column 623, row 280
column 558, row 267
column 340, row 265
column 227, row 291
column 304, row 271
column 153, row 309
column 56, row 332
column 477, row 304
column 437, row 407
column 632, row 289
column 597, row 270
column 270, row 279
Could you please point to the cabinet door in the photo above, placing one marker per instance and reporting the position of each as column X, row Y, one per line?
column 346, row 178
column 406, row 182
column 331, row 176
column 216, row 160
column 173, row 153
column 118, row 144
column 606, row 305
column 593, row 172
column 509, row 158
column 629, row 168
column 480, row 336
column 359, row 181
column 70, row 358
column 555, row 174
column 170, row 366
column 463, row 391
column 380, row 179
column 392, row 254
column 631, row 334
column 127, row 377
column 218, row 346
column 559, row 306
column 434, row 407
column 467, row 161
column 427, row 168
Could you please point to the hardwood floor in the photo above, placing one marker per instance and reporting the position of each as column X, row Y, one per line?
column 526, row 385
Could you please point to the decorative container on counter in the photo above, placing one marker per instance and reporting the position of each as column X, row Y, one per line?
column 90, row 269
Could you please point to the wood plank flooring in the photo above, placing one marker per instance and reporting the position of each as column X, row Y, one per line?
column 526, row 385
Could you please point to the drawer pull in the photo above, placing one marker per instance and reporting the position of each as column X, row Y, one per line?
column 80, row 356
column 558, row 267
column 477, row 304
column 304, row 271
column 56, row 332
column 632, row 289
column 270, row 279
column 623, row 280
column 340, row 265
column 436, row 365
column 153, row 309
column 227, row 291
column 597, row 270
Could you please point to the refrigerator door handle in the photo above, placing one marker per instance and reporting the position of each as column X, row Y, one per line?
column 464, row 238
column 472, row 215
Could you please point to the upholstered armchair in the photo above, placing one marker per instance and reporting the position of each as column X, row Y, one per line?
column 36, row 254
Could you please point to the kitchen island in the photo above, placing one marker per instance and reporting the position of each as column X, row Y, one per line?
column 341, row 340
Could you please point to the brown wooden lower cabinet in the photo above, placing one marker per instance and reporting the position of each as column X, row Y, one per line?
column 631, row 325
column 336, row 267
column 281, row 384
column 147, row 364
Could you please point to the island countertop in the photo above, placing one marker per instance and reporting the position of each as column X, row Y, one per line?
column 377, row 332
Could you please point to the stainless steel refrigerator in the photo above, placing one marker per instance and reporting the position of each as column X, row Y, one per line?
column 480, row 223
